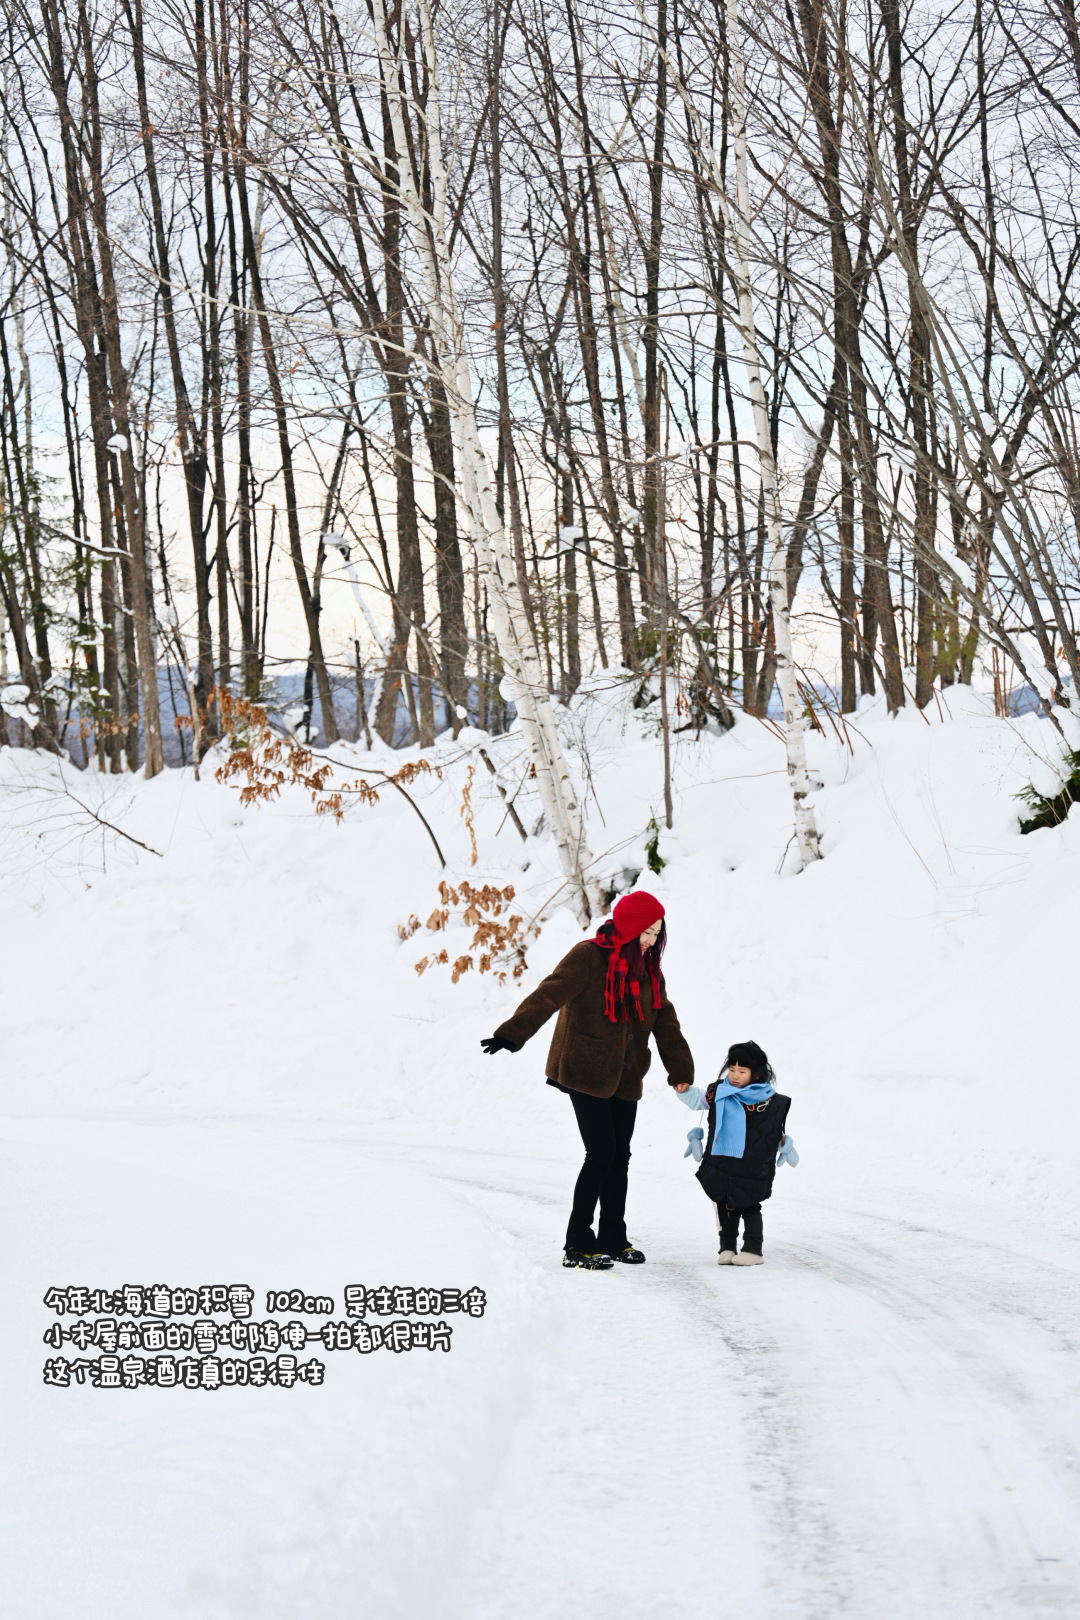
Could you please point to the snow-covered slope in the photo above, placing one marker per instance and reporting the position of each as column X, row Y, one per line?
column 220, row 1065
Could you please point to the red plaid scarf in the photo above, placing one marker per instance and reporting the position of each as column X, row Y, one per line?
column 621, row 992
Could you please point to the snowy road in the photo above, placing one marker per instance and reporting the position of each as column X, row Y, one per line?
column 882, row 1422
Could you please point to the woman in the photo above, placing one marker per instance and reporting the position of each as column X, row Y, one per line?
column 610, row 997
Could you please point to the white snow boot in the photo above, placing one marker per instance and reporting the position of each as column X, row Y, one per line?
column 726, row 1257
column 747, row 1259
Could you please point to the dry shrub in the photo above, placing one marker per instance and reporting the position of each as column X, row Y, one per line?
column 467, row 813
column 498, row 945
column 266, row 762
column 101, row 727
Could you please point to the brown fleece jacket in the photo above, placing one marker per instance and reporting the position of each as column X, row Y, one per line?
column 588, row 1052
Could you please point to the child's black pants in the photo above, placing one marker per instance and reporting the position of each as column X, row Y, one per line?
column 606, row 1125
column 727, row 1219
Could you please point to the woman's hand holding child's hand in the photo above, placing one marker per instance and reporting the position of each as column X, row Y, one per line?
column 683, row 1085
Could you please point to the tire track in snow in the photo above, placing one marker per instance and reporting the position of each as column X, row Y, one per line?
column 773, row 1467
column 919, row 1315
column 801, row 1529
column 981, row 1452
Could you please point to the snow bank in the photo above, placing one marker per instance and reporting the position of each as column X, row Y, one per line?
column 220, row 1064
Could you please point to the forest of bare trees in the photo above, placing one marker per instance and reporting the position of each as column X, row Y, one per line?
column 569, row 338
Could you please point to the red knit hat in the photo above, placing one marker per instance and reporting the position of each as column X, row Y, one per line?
column 631, row 917
column 634, row 913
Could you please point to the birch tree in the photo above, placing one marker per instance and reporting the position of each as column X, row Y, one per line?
column 527, row 686
column 737, row 218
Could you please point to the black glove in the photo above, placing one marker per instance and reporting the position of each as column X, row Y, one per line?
column 497, row 1043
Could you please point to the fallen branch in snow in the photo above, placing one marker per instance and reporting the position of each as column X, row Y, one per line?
column 44, row 817
column 509, row 802
column 407, row 772
column 393, row 781
column 110, row 826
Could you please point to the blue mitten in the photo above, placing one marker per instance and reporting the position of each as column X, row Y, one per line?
column 787, row 1153
column 694, row 1140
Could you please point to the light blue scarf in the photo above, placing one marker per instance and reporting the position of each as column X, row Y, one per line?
column 729, row 1137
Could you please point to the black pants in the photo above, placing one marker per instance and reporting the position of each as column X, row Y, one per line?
column 606, row 1125
column 727, row 1219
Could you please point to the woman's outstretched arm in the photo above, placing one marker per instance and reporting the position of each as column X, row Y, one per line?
column 566, row 981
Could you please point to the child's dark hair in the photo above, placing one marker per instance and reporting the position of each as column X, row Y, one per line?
column 748, row 1055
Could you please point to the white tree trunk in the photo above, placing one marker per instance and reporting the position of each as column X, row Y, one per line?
column 496, row 562
column 739, row 231
column 737, row 219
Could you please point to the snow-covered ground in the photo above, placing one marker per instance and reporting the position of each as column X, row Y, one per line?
column 220, row 1066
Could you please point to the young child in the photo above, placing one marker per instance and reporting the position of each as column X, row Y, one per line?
column 746, row 1132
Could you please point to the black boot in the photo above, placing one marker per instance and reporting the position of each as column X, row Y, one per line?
column 729, row 1232
column 753, row 1230
column 586, row 1261
column 629, row 1255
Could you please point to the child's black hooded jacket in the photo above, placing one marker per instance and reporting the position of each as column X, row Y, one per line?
column 749, row 1180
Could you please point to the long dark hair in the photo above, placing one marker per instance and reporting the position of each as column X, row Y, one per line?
column 639, row 962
